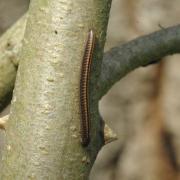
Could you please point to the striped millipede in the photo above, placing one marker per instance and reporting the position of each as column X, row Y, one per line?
column 84, row 89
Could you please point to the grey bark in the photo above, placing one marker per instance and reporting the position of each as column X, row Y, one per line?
column 43, row 140
column 120, row 60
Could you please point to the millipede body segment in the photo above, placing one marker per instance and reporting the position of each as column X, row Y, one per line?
column 84, row 88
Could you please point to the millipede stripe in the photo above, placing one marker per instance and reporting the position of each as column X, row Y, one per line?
column 84, row 88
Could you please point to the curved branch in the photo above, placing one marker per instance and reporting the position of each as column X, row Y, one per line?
column 142, row 51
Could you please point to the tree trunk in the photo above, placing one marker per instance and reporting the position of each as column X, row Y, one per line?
column 43, row 140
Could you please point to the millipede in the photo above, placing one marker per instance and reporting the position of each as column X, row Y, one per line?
column 84, row 88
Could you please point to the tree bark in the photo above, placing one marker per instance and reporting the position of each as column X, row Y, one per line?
column 10, row 45
column 43, row 140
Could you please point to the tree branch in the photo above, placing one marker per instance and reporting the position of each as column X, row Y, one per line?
column 10, row 45
column 142, row 51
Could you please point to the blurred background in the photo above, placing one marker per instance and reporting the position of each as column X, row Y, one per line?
column 143, row 109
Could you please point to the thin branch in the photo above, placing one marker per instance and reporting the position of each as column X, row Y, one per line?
column 142, row 51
